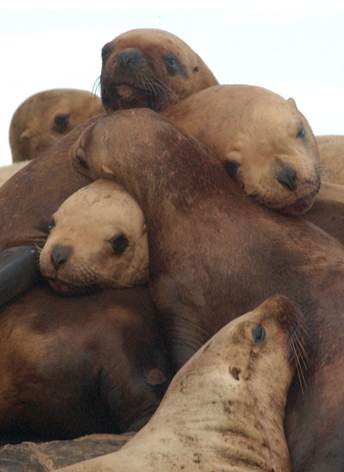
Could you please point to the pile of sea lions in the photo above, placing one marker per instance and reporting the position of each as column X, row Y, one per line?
column 182, row 231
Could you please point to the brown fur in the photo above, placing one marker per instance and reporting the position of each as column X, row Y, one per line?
column 328, row 210
column 44, row 118
column 6, row 172
column 148, row 81
column 257, row 131
column 77, row 365
column 215, row 254
column 331, row 150
column 213, row 420
column 32, row 195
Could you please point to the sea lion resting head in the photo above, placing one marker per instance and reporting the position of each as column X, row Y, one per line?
column 150, row 68
column 262, row 140
column 97, row 239
column 44, row 118
column 225, row 408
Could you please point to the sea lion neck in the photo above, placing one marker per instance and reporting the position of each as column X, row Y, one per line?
column 158, row 165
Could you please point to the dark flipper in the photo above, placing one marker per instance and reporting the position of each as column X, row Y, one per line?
column 18, row 271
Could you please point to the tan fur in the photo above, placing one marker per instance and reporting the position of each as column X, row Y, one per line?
column 224, row 410
column 257, row 129
column 33, row 128
column 331, row 150
column 6, row 172
column 87, row 222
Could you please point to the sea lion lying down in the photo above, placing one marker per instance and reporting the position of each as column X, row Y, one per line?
column 224, row 410
column 98, row 239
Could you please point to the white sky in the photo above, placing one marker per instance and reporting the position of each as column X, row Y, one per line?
column 295, row 48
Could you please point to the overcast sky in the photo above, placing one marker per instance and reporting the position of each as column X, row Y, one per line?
column 295, row 48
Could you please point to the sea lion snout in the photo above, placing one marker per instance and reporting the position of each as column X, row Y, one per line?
column 59, row 255
column 130, row 57
column 287, row 177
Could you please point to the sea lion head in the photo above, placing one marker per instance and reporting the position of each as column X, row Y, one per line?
column 43, row 119
column 259, row 350
column 97, row 239
column 275, row 157
column 150, row 68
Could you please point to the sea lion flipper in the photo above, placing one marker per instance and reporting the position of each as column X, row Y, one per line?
column 18, row 271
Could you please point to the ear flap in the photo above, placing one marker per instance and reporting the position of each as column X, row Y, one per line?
column 78, row 152
column 26, row 134
column 292, row 102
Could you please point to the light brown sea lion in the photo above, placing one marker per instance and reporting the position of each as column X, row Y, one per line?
column 97, row 239
column 77, row 365
column 6, row 172
column 262, row 140
column 331, row 150
column 215, row 255
column 224, row 410
column 150, row 68
column 46, row 117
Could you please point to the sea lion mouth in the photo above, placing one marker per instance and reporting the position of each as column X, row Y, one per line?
column 301, row 206
column 66, row 288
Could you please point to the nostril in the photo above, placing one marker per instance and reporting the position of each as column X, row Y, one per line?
column 129, row 57
column 59, row 255
column 287, row 177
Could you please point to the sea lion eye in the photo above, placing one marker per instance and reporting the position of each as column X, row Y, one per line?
column 51, row 224
column 301, row 133
column 231, row 167
column 106, row 50
column 119, row 244
column 258, row 334
column 171, row 63
column 61, row 123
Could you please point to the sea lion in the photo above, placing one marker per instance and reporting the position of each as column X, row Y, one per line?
column 46, row 117
column 97, row 239
column 77, row 365
column 224, row 410
column 328, row 210
column 150, row 68
column 6, row 172
column 27, row 202
column 262, row 140
column 331, row 150
column 215, row 255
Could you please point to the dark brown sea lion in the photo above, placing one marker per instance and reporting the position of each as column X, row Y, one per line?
column 215, row 255
column 262, row 140
column 211, row 416
column 150, row 68
column 331, row 150
column 77, row 365
column 45, row 117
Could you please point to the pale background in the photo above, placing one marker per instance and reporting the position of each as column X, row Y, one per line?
column 295, row 48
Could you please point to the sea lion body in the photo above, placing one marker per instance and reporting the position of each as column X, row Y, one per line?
column 44, row 118
column 78, row 365
column 262, row 140
column 331, row 150
column 97, row 239
column 215, row 255
column 328, row 210
column 150, row 68
column 224, row 409
column 6, row 172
